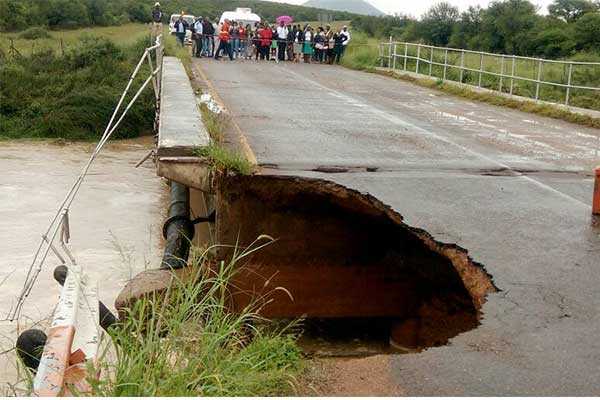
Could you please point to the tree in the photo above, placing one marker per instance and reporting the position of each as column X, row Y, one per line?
column 507, row 25
column 587, row 31
column 571, row 10
column 466, row 32
column 438, row 22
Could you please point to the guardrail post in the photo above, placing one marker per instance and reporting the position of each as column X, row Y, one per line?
column 418, row 57
column 394, row 61
column 445, row 63
column 501, row 73
column 480, row 69
column 539, row 77
column 430, row 60
column 462, row 65
column 512, row 75
column 405, row 54
column 390, row 54
column 569, row 84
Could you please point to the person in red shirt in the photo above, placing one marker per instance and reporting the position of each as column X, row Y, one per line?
column 266, row 37
column 224, row 39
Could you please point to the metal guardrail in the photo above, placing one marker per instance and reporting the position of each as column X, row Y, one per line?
column 58, row 229
column 508, row 69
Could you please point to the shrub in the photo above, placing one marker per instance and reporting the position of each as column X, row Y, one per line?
column 36, row 32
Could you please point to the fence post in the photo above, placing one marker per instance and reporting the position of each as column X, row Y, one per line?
column 480, row 69
column 405, row 54
column 569, row 84
column 512, row 75
column 539, row 77
column 462, row 64
column 430, row 60
column 445, row 63
column 418, row 57
column 390, row 54
column 394, row 61
column 501, row 73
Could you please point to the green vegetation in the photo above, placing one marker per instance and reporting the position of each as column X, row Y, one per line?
column 187, row 342
column 499, row 100
column 506, row 26
column 61, row 41
column 59, row 14
column 71, row 94
column 224, row 159
column 362, row 53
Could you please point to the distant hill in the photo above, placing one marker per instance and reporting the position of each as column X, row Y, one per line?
column 352, row 6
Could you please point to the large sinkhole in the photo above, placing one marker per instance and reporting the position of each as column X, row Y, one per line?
column 348, row 265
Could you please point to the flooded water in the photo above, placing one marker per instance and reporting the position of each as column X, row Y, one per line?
column 115, row 224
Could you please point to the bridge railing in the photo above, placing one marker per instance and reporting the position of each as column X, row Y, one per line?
column 555, row 81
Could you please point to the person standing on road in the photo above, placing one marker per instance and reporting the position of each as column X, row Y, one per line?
column 338, row 47
column 298, row 43
column 197, row 35
column 156, row 20
column 345, row 33
column 291, row 38
column 235, row 39
column 266, row 36
column 307, row 48
column 282, row 34
column 208, row 32
column 224, row 41
column 180, row 28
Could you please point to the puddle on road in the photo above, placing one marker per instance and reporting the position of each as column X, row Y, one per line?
column 115, row 222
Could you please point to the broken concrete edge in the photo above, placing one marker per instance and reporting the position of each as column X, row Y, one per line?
column 476, row 280
column 244, row 145
column 194, row 172
column 149, row 282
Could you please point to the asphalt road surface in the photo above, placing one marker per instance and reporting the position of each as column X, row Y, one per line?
column 512, row 188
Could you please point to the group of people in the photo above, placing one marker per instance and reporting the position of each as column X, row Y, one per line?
column 283, row 42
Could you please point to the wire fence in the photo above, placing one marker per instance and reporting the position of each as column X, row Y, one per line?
column 564, row 82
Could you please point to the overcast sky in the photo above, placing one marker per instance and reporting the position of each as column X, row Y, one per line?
column 418, row 7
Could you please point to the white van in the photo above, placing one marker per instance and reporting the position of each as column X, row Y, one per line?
column 245, row 16
column 190, row 19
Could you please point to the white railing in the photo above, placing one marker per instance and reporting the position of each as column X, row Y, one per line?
column 497, row 72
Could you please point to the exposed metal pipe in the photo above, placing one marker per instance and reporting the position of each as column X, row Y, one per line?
column 178, row 229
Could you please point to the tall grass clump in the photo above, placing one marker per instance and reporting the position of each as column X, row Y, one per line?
column 72, row 95
column 187, row 342
column 224, row 159
column 362, row 53
column 35, row 32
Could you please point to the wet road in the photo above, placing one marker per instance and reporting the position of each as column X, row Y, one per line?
column 512, row 188
column 115, row 223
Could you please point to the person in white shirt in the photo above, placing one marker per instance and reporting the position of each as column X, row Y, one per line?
column 197, row 35
column 345, row 34
column 282, row 33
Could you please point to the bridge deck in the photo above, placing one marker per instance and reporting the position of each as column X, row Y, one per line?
column 512, row 188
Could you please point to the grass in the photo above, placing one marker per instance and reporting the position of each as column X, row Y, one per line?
column 187, row 342
column 71, row 94
column 545, row 110
column 582, row 75
column 363, row 54
column 123, row 35
column 225, row 160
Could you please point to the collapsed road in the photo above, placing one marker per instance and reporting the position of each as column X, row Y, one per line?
column 512, row 189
